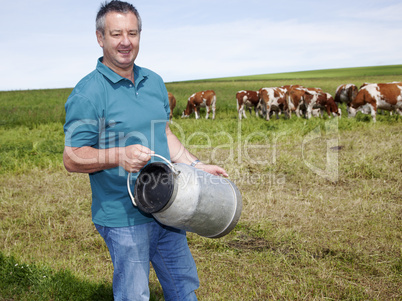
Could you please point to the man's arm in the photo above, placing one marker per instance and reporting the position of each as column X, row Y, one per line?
column 88, row 159
column 179, row 154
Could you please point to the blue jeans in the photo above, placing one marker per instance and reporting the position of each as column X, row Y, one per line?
column 133, row 248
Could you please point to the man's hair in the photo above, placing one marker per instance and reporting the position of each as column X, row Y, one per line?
column 115, row 6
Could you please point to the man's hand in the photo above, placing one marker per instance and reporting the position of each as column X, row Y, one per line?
column 134, row 157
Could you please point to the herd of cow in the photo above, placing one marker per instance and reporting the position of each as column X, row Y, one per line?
column 303, row 101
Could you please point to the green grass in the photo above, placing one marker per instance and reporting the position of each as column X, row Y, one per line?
column 34, row 107
column 29, row 282
column 360, row 72
column 307, row 231
column 23, row 148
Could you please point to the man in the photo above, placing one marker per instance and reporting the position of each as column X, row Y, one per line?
column 116, row 118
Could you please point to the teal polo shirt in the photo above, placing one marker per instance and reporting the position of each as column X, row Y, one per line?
column 106, row 110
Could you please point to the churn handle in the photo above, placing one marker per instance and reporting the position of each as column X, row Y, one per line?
column 129, row 176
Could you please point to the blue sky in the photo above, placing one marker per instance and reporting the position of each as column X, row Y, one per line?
column 51, row 44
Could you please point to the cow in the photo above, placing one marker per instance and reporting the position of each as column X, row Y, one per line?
column 367, row 110
column 294, row 100
column 373, row 97
column 310, row 101
column 273, row 99
column 247, row 99
column 297, row 99
column 172, row 104
column 320, row 100
column 326, row 102
column 345, row 93
column 201, row 99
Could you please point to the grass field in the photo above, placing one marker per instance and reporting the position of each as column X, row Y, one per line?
column 356, row 73
column 322, row 200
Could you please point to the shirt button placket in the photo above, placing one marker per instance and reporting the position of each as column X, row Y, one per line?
column 131, row 86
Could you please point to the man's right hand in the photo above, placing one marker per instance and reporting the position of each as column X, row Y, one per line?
column 134, row 157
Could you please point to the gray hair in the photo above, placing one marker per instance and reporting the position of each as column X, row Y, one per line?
column 115, row 6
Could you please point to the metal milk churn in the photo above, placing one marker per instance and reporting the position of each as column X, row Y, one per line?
column 187, row 198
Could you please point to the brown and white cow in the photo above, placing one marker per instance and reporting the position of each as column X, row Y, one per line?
column 201, row 99
column 325, row 102
column 345, row 93
column 320, row 100
column 296, row 100
column 273, row 99
column 172, row 104
column 247, row 99
column 310, row 101
column 373, row 97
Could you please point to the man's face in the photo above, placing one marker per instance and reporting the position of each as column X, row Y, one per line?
column 121, row 41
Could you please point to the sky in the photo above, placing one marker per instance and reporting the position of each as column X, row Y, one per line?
column 47, row 44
